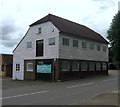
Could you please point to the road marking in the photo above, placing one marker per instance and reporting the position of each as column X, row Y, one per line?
column 80, row 85
column 110, row 79
column 24, row 94
column 114, row 79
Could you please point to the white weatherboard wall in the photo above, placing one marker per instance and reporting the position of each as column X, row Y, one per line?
column 70, row 52
column 21, row 52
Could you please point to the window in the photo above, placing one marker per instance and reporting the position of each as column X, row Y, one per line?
column 51, row 41
column 91, row 46
column 104, row 49
column 65, row 66
column 17, row 67
column 83, row 66
column 84, row 44
column 91, row 66
column 29, row 66
column 3, row 67
column 75, row 43
column 29, row 45
column 104, row 66
column 39, row 48
column 98, row 66
column 39, row 30
column 98, row 47
column 75, row 66
column 65, row 41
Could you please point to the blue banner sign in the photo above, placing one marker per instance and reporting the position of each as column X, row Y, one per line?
column 43, row 68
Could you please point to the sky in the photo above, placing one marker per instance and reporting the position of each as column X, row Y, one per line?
column 17, row 15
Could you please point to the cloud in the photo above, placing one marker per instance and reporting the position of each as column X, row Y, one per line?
column 7, row 30
column 105, row 4
column 11, row 33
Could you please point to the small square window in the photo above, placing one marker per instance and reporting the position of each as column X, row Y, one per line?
column 65, row 66
column 51, row 41
column 29, row 66
column 65, row 41
column 29, row 44
column 75, row 66
column 17, row 67
column 84, row 66
column 98, row 66
column 75, row 43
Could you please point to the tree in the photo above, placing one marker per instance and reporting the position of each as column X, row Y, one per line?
column 114, row 37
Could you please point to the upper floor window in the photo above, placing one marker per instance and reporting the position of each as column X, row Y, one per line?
column 98, row 47
column 29, row 44
column 17, row 67
column 51, row 41
column 75, row 43
column 84, row 44
column 104, row 48
column 65, row 41
column 91, row 46
column 39, row 30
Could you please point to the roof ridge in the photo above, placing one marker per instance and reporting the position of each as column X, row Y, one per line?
column 71, row 27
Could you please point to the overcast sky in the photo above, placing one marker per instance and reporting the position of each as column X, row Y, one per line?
column 17, row 15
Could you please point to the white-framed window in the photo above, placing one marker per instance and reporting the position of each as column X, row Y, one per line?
column 65, row 66
column 84, row 44
column 29, row 66
column 91, row 46
column 84, row 66
column 29, row 45
column 104, row 48
column 17, row 67
column 66, row 41
column 98, row 66
column 51, row 41
column 75, row 66
column 104, row 66
column 91, row 66
column 75, row 43
column 98, row 47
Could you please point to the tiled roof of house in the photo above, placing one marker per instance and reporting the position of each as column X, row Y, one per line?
column 70, row 27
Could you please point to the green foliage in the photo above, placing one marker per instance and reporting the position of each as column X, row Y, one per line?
column 114, row 37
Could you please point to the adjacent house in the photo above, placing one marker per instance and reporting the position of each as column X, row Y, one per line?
column 57, row 49
column 6, row 64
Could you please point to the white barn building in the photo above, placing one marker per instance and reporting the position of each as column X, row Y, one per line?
column 58, row 49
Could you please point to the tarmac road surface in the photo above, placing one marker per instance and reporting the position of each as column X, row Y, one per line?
column 57, row 93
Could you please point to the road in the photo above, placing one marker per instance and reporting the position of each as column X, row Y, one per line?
column 59, row 93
